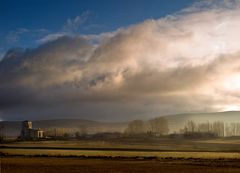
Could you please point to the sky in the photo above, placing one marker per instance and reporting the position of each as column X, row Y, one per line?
column 25, row 23
column 118, row 60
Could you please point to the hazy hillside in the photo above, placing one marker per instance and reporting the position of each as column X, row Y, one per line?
column 177, row 121
column 12, row 128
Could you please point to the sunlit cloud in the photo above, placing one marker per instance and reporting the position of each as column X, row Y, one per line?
column 70, row 28
column 186, row 62
column 51, row 37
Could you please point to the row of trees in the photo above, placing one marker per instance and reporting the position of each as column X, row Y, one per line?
column 66, row 132
column 218, row 128
column 215, row 127
column 155, row 126
column 232, row 129
column 159, row 126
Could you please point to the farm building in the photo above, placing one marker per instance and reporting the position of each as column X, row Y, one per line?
column 28, row 133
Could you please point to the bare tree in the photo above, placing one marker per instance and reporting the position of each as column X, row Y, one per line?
column 204, row 127
column 218, row 128
column 83, row 130
column 237, row 129
column 158, row 125
column 233, row 129
column 135, row 127
column 190, row 126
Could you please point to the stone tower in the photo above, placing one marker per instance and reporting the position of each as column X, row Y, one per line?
column 26, row 126
column 28, row 133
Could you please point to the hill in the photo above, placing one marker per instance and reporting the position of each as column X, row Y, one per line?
column 12, row 128
column 178, row 121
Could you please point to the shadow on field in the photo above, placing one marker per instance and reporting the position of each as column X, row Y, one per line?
column 109, row 164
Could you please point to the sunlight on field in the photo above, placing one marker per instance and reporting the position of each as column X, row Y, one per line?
column 121, row 153
column 221, row 141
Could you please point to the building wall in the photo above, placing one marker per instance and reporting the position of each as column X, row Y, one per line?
column 28, row 133
column 40, row 134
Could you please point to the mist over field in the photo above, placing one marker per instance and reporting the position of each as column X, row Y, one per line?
column 175, row 123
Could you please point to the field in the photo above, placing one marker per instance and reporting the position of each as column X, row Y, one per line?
column 120, row 165
column 125, row 155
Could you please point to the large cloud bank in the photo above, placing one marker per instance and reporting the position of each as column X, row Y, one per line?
column 186, row 62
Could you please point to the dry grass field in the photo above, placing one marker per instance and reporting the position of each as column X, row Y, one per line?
column 94, row 165
column 161, row 155
column 169, row 144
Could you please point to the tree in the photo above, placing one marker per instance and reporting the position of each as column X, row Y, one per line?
column 66, row 135
column 218, row 128
column 204, row 127
column 233, row 129
column 190, row 126
column 83, row 130
column 135, row 127
column 77, row 134
column 158, row 126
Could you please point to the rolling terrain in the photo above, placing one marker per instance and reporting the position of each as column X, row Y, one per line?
column 176, row 122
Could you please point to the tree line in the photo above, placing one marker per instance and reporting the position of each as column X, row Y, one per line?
column 156, row 126
column 217, row 128
column 159, row 126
